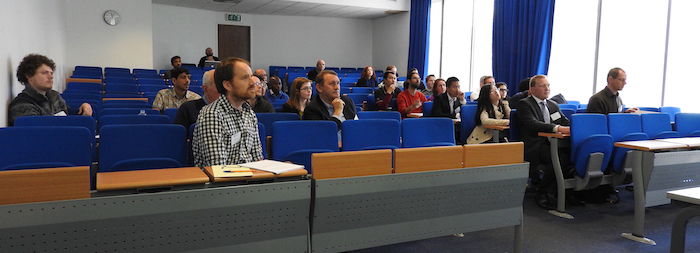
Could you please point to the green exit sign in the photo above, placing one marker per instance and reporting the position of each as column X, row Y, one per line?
column 233, row 17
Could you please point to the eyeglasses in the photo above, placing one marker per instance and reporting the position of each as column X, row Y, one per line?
column 257, row 84
column 305, row 88
column 506, row 90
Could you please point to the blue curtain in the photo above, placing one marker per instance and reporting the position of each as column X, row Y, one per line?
column 522, row 39
column 418, row 40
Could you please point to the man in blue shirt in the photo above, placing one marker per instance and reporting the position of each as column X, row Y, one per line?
column 275, row 92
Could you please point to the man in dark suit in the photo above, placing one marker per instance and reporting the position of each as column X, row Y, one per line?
column 328, row 104
column 537, row 114
column 448, row 104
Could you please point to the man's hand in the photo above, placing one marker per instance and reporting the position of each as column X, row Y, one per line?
column 460, row 96
column 564, row 129
column 390, row 89
column 416, row 104
column 632, row 110
column 338, row 106
column 85, row 109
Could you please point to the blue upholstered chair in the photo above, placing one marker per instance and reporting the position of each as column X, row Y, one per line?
column 129, row 111
column 467, row 114
column 427, row 108
column 624, row 127
column 688, row 124
column 379, row 115
column 109, row 120
column 671, row 111
column 568, row 106
column 427, row 132
column 33, row 147
column 513, row 125
column 371, row 134
column 658, row 126
column 148, row 146
column 589, row 135
column 295, row 141
column 268, row 119
column 170, row 112
column 263, row 139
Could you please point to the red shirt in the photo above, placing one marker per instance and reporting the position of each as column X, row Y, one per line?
column 405, row 100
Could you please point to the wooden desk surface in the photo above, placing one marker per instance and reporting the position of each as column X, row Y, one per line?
column 555, row 135
column 38, row 185
column 118, row 180
column 497, row 127
column 257, row 174
column 649, row 145
column 414, row 115
column 690, row 195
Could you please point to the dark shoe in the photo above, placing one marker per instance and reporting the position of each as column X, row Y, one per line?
column 543, row 201
column 571, row 199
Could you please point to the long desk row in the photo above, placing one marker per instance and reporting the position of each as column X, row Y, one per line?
column 656, row 167
column 324, row 215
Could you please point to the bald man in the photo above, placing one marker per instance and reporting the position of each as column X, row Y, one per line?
column 320, row 66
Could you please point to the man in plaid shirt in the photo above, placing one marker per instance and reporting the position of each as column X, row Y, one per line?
column 227, row 129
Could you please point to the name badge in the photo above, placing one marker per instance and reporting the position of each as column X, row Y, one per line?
column 555, row 116
column 235, row 139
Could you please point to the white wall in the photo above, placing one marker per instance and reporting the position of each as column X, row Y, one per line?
column 29, row 26
column 391, row 35
column 91, row 41
column 275, row 40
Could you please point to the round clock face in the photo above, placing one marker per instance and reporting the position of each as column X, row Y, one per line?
column 112, row 17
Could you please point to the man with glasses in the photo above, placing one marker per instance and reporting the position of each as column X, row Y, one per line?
column 275, row 92
column 179, row 94
column 484, row 80
column 259, row 103
column 608, row 100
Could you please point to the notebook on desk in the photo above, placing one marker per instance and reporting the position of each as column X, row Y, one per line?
column 272, row 166
column 231, row 171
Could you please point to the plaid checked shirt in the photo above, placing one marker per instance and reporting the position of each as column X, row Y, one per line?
column 167, row 98
column 224, row 135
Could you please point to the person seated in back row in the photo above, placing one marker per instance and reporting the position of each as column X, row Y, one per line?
column 449, row 103
column 259, row 103
column 411, row 100
column 275, row 92
column 300, row 95
column 490, row 110
column 179, row 94
column 368, row 78
column 35, row 72
column 388, row 92
column 188, row 111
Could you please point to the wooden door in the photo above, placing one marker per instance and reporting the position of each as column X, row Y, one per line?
column 234, row 41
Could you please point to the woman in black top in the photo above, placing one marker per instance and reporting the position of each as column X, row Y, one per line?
column 299, row 96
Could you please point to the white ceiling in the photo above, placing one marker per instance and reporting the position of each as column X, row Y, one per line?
column 364, row 9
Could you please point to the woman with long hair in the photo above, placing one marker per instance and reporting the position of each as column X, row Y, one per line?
column 438, row 88
column 299, row 96
column 490, row 110
column 368, row 78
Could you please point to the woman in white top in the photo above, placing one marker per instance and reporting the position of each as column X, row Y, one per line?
column 489, row 111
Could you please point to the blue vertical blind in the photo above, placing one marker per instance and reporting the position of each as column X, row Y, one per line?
column 418, row 38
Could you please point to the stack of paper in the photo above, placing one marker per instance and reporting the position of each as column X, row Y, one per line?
column 231, row 171
column 272, row 166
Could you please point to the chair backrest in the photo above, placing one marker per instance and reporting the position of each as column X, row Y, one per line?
column 268, row 119
column 568, row 106
column 654, row 124
column 584, row 125
column 573, row 102
column 263, row 139
column 467, row 114
column 71, row 120
column 171, row 112
column 671, row 111
column 127, row 105
column 686, row 123
column 45, row 146
column 121, row 88
column 514, row 134
column 426, row 132
column 427, row 108
column 352, row 164
column 568, row 112
column 80, row 86
column 589, row 134
column 358, row 99
column 124, row 143
column 129, row 111
column 74, row 107
column 290, row 136
column 82, row 96
column 622, row 124
column 362, row 90
column 427, row 159
column 379, row 115
column 649, row 109
column 121, row 102
column 371, row 134
column 109, row 120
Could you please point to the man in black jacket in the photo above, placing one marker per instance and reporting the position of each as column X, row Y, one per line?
column 328, row 104
column 448, row 104
column 537, row 114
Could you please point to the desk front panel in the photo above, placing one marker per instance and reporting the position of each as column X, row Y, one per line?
column 671, row 171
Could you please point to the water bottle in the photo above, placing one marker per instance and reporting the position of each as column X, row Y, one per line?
column 142, row 112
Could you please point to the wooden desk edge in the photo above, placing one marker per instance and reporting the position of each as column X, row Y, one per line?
column 152, row 183
column 555, row 135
